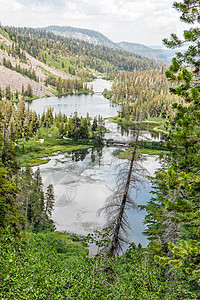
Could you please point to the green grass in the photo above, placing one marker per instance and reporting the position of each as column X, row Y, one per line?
column 152, row 124
column 126, row 154
column 32, row 160
column 53, row 63
column 32, row 152
column 153, row 152
column 44, row 70
column 48, row 265
column 5, row 34
column 58, row 64
column 68, row 62
column 76, row 245
column 145, row 147
column 156, row 119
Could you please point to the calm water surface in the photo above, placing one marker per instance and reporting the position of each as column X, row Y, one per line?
column 93, row 104
column 83, row 180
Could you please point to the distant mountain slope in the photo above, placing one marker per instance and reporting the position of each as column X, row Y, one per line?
column 87, row 35
column 41, row 60
column 98, row 38
column 68, row 54
column 160, row 54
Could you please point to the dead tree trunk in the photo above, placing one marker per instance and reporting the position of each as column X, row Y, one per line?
column 120, row 201
column 116, row 231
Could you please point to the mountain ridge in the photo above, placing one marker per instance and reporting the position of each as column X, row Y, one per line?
column 87, row 35
column 97, row 38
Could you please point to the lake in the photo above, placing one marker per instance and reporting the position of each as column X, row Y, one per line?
column 83, row 180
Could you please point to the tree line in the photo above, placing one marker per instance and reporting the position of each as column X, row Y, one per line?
column 15, row 51
column 16, row 96
column 22, row 123
column 23, row 203
column 146, row 91
column 68, row 86
column 25, row 72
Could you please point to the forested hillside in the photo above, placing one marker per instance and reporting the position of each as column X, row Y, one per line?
column 45, row 62
column 23, row 73
column 86, row 35
column 100, row 58
column 160, row 54
column 95, row 37
column 18, row 69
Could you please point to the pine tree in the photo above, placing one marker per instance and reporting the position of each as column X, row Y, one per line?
column 37, row 198
column 179, row 201
column 84, row 130
column 94, row 124
column 101, row 128
column 22, row 90
column 1, row 96
column 50, row 199
column 8, row 208
column 35, row 124
column 16, row 95
column 30, row 198
column 62, row 129
column 8, row 93
column 8, row 157
column 29, row 91
column 12, row 130
column 59, row 86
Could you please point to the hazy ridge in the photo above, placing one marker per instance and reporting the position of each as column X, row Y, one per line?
column 98, row 38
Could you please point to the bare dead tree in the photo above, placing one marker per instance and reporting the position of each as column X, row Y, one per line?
column 130, row 177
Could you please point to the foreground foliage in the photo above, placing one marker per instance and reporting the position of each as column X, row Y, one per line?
column 173, row 214
column 44, row 266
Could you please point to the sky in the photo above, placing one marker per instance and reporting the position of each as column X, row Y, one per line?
column 138, row 21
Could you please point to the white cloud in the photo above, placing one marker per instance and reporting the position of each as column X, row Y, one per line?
column 54, row 3
column 146, row 21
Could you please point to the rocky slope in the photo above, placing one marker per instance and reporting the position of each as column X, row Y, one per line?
column 15, row 79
